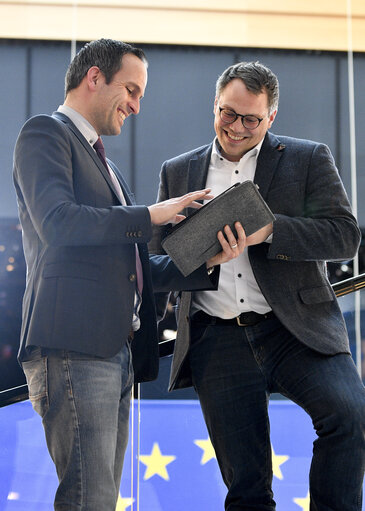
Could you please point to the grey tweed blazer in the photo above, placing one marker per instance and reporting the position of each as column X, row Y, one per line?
column 299, row 181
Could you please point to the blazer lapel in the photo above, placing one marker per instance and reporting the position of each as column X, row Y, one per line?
column 197, row 173
column 128, row 195
column 198, row 169
column 267, row 162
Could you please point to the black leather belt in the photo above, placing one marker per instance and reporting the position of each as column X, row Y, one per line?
column 244, row 319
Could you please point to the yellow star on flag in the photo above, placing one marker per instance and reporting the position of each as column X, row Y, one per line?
column 303, row 503
column 276, row 462
column 156, row 463
column 122, row 504
column 208, row 450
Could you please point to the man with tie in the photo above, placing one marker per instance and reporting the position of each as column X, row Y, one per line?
column 274, row 324
column 88, row 301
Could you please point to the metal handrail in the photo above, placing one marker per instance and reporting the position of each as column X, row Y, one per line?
column 13, row 395
column 166, row 348
column 349, row 285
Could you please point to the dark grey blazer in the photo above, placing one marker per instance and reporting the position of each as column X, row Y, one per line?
column 314, row 224
column 79, row 245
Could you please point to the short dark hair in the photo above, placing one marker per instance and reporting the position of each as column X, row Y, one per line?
column 106, row 54
column 257, row 78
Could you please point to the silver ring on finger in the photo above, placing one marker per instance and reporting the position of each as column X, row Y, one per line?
column 234, row 246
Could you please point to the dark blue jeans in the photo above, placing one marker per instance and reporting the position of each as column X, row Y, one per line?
column 235, row 369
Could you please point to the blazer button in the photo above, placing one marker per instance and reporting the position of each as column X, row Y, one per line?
column 139, row 234
column 132, row 277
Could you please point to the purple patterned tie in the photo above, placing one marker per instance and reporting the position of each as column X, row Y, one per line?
column 100, row 151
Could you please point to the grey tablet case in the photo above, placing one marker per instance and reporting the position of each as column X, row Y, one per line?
column 193, row 241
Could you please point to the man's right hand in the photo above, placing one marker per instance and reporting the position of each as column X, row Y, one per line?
column 166, row 212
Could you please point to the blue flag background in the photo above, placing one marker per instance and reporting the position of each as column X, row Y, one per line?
column 177, row 469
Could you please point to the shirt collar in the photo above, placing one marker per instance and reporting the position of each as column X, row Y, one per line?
column 217, row 156
column 87, row 130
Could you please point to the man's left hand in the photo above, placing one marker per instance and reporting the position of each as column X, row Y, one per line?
column 232, row 247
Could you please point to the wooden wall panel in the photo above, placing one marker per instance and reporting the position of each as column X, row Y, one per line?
column 310, row 24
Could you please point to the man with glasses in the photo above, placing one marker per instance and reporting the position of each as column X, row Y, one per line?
column 274, row 324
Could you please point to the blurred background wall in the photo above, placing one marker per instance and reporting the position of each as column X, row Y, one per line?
column 188, row 44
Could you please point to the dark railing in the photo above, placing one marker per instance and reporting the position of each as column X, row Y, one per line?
column 342, row 288
column 349, row 285
column 10, row 396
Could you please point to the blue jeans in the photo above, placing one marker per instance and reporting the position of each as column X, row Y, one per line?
column 235, row 369
column 84, row 404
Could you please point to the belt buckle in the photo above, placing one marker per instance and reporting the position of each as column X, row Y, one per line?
column 239, row 322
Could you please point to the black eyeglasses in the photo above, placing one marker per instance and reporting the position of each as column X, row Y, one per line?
column 228, row 116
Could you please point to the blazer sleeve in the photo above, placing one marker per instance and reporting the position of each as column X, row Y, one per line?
column 50, row 168
column 326, row 229
column 166, row 276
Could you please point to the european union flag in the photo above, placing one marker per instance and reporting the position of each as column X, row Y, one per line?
column 171, row 466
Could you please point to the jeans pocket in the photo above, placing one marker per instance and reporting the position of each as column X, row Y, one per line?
column 36, row 374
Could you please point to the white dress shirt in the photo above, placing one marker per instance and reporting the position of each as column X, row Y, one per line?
column 238, row 290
